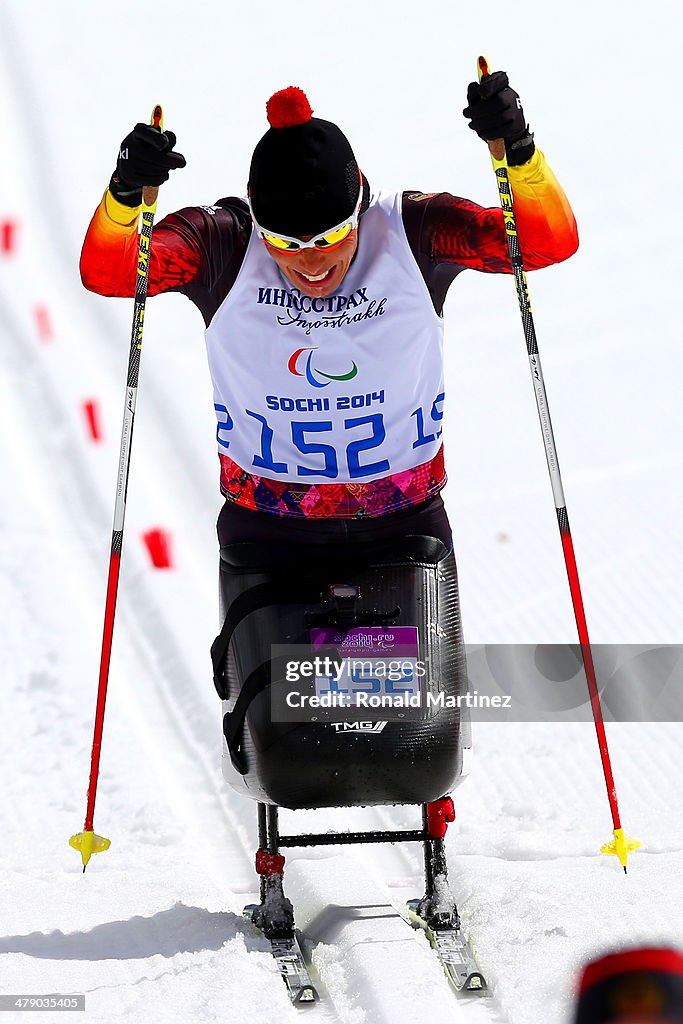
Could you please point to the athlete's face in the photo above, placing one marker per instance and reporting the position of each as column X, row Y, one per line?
column 300, row 267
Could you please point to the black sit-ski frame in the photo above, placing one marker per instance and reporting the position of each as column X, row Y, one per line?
column 437, row 912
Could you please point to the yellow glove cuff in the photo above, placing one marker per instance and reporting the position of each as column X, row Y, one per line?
column 533, row 179
column 126, row 216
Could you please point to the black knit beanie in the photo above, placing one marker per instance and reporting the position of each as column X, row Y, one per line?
column 637, row 984
column 304, row 177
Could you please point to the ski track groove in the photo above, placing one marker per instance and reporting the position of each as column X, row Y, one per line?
column 512, row 820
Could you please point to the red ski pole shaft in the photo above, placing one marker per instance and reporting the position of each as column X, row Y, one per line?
column 105, row 659
column 499, row 160
column 148, row 212
column 84, row 842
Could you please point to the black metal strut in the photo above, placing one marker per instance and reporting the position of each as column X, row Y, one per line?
column 437, row 907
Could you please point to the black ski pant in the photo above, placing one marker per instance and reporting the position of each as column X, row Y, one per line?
column 290, row 540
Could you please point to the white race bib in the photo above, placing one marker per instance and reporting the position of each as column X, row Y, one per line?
column 343, row 388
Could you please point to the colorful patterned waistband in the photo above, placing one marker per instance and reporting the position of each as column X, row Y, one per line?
column 332, row 501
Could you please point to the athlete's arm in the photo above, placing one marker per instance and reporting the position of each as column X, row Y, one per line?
column 197, row 251
column 110, row 252
column 457, row 231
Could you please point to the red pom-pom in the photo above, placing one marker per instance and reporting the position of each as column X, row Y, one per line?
column 288, row 107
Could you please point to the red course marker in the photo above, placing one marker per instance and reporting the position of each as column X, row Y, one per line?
column 93, row 419
column 158, row 544
column 8, row 235
column 44, row 323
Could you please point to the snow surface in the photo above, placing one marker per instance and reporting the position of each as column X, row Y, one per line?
column 153, row 931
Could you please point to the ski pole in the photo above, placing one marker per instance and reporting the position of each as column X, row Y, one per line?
column 87, row 842
column 621, row 846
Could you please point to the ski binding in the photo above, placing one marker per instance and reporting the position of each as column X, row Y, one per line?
column 453, row 951
column 291, row 964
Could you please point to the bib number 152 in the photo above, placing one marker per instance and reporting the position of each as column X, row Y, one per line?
column 323, row 459
column 308, row 438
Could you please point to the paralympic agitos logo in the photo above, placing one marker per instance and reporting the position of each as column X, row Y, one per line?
column 297, row 359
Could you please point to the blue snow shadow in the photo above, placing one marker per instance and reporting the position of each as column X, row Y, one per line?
column 180, row 929
column 331, row 921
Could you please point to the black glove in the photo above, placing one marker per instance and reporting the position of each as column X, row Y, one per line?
column 495, row 112
column 145, row 158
